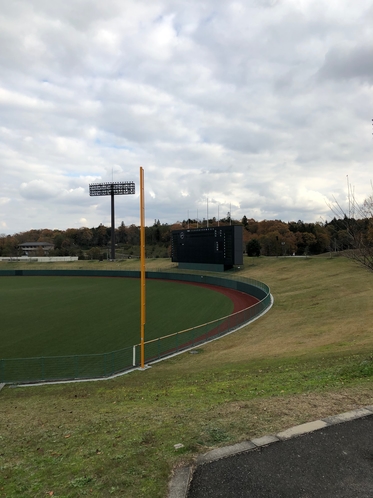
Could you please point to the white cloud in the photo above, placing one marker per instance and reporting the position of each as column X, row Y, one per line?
column 260, row 106
column 38, row 190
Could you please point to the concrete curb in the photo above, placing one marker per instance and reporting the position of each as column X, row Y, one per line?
column 179, row 483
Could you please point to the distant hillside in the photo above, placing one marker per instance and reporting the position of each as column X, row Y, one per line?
column 267, row 237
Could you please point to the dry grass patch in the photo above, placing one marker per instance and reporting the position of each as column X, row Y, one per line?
column 124, row 264
column 318, row 306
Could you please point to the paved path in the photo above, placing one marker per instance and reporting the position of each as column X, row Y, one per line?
column 328, row 458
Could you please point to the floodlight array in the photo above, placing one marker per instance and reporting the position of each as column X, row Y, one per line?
column 112, row 188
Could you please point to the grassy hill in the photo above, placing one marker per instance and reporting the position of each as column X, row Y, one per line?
column 309, row 357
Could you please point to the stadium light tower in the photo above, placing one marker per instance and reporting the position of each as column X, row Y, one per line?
column 113, row 188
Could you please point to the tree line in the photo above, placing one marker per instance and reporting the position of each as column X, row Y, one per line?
column 266, row 237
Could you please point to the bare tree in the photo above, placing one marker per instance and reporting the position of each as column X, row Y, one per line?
column 358, row 223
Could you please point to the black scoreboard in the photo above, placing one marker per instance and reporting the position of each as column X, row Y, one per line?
column 209, row 246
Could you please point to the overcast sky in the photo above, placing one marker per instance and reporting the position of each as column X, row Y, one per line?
column 261, row 107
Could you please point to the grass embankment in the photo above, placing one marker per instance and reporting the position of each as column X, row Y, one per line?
column 123, row 264
column 309, row 357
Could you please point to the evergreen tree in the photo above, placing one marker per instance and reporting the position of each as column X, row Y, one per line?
column 253, row 248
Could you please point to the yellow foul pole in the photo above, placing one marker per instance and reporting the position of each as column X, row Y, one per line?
column 142, row 271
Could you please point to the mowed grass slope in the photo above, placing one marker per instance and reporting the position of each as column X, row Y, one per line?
column 321, row 305
column 56, row 316
column 309, row 357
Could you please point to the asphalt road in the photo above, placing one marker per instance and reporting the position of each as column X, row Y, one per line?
column 332, row 462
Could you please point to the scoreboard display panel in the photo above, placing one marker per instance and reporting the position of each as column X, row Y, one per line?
column 210, row 245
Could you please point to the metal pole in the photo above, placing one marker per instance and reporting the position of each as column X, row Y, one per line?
column 207, row 212
column 112, row 225
column 142, row 272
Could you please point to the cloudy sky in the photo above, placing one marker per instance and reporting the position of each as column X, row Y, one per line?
column 261, row 107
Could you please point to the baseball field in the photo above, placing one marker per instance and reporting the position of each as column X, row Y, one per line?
column 57, row 316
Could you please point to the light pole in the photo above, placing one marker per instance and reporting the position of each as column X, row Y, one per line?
column 113, row 188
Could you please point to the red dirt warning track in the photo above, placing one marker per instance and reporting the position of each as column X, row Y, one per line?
column 240, row 300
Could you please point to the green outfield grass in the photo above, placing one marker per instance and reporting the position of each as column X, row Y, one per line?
column 56, row 316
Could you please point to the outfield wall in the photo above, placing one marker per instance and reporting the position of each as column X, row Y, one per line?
column 94, row 366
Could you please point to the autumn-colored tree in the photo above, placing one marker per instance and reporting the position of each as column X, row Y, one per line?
column 275, row 238
column 46, row 235
column 9, row 244
column 84, row 236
